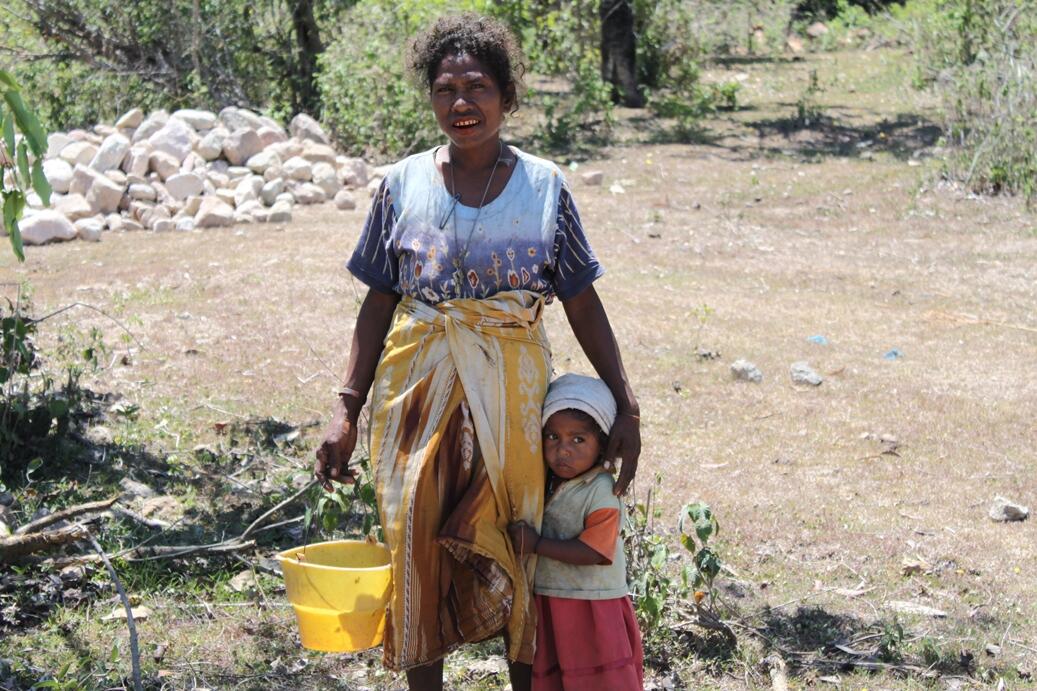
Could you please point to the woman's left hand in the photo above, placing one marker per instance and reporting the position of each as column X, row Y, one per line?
column 624, row 446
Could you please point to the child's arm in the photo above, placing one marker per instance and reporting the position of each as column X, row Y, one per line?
column 526, row 540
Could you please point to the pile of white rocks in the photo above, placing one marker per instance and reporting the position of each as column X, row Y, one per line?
column 186, row 170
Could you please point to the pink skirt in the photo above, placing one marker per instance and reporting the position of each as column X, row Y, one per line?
column 591, row 645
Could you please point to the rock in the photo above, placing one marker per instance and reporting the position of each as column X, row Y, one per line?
column 248, row 190
column 210, row 147
column 794, row 44
column 817, row 30
column 270, row 191
column 305, row 127
column 273, row 173
column 281, row 212
column 137, row 160
column 803, row 373
column 118, row 177
column 914, row 608
column 269, row 135
column 161, row 506
column 150, row 126
column 56, row 141
column 298, row 168
column 72, row 206
column 118, row 613
column 241, row 145
column 593, row 177
column 184, row 185
column 287, row 148
column 239, row 118
column 105, row 195
column 192, row 205
column 142, row 191
column 130, row 120
column 46, row 226
column 111, row 154
column 90, row 229
column 314, row 152
column 912, row 566
column 218, row 180
column 79, row 153
column 308, row 193
column 373, row 185
column 185, row 225
column 236, row 173
column 344, row 200
column 163, row 163
column 353, row 172
column 259, row 163
column 115, row 222
column 163, row 225
column 226, row 196
column 285, row 197
column 326, row 177
column 746, row 371
column 193, row 164
column 199, row 120
column 176, row 138
column 244, row 582
column 214, row 212
column 1003, row 511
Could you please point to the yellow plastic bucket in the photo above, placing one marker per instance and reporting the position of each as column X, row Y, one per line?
column 339, row 591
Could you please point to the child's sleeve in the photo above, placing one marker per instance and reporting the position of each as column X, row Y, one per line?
column 601, row 525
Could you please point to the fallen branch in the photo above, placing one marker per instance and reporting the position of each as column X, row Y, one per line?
column 969, row 319
column 136, row 517
column 289, row 500
column 173, row 551
column 134, row 647
column 64, row 514
column 17, row 546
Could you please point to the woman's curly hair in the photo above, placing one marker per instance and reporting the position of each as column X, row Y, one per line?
column 483, row 38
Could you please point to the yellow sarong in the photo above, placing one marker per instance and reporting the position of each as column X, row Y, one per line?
column 456, row 454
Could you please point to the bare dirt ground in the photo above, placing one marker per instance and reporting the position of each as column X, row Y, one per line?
column 841, row 230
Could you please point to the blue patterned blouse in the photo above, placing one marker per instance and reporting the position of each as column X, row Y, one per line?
column 528, row 238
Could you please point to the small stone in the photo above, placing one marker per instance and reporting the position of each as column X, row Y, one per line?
column 305, row 127
column 1004, row 511
column 176, row 138
column 344, row 200
column 248, row 190
column 99, row 435
column 270, row 191
column 90, row 229
column 308, row 193
column 210, row 147
column 746, row 371
column 163, row 225
column 115, row 222
column 915, row 608
column 993, row 650
column 794, row 44
column 79, row 153
column 130, row 120
column 58, row 173
column 315, row 152
column 270, row 135
column 46, row 226
column 263, row 160
column 214, row 212
column 118, row 613
column 200, row 120
column 244, row 582
column 185, row 225
column 163, row 163
column 298, row 168
column 56, row 141
column 111, row 154
column 72, row 206
column 803, row 373
column 239, row 118
column 817, row 30
column 161, row 506
column 593, row 177
column 326, row 177
column 142, row 191
column 184, row 185
column 135, row 490
column 353, row 171
column 241, row 145
column 152, row 124
column 281, row 212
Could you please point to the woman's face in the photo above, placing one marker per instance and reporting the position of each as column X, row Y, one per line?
column 571, row 444
column 468, row 102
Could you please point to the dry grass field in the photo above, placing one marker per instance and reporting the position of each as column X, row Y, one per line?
column 745, row 243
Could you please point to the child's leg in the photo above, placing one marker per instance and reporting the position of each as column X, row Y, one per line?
column 521, row 676
column 426, row 678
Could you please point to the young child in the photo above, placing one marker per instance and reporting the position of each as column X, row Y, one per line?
column 587, row 635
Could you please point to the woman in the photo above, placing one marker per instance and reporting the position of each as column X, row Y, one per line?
column 463, row 245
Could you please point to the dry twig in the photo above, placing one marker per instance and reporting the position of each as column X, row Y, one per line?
column 70, row 512
column 134, row 647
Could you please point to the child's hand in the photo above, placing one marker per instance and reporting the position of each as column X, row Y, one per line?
column 524, row 537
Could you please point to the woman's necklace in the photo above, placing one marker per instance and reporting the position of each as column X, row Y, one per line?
column 462, row 253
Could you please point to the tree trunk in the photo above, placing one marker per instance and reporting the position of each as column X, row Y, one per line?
column 619, row 51
column 307, row 39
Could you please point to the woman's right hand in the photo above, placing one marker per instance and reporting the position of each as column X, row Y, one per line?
column 335, row 450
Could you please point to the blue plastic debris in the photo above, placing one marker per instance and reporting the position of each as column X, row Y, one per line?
column 893, row 354
column 820, row 340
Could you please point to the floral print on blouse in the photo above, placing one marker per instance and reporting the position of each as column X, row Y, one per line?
column 528, row 238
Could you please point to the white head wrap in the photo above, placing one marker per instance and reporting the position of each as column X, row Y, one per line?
column 587, row 394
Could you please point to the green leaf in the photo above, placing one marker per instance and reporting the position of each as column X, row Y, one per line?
column 27, row 123
column 40, row 182
column 23, row 164
column 9, row 133
column 7, row 79
column 14, row 202
column 58, row 407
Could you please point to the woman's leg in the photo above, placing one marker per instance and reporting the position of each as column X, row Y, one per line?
column 521, row 676
column 426, row 678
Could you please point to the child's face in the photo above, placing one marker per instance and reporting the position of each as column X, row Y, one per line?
column 571, row 444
